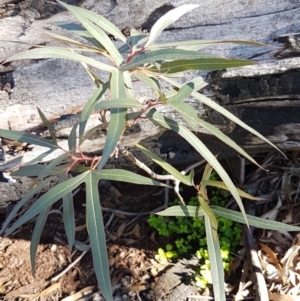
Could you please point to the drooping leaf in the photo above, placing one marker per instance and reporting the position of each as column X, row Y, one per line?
column 79, row 245
column 188, row 180
column 168, row 19
column 222, row 111
column 48, row 125
column 97, row 33
column 32, row 191
column 98, row 48
column 215, row 258
column 69, row 219
column 202, row 43
column 197, row 211
column 117, row 122
column 163, row 55
column 149, row 81
column 121, row 175
column 48, row 199
column 97, row 19
column 72, row 141
column 221, row 185
column 118, row 103
column 201, row 64
column 97, row 235
column 61, row 53
column 165, row 122
column 36, row 236
column 26, row 137
column 89, row 108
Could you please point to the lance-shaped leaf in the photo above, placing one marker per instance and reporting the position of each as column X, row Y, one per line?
column 36, row 235
column 23, row 201
column 187, row 180
column 117, row 122
column 80, row 31
column 118, row 103
column 215, row 258
column 164, row 55
column 98, row 34
column 83, row 47
column 168, row 19
column 191, row 117
column 48, row 199
column 26, row 137
column 165, row 122
column 72, row 141
column 97, row 235
column 89, row 108
column 97, row 19
column 69, row 219
column 201, row 64
column 121, row 175
column 48, row 125
column 222, row 111
column 61, row 53
column 149, row 81
column 221, row 185
column 202, row 43
column 136, row 38
column 197, row 211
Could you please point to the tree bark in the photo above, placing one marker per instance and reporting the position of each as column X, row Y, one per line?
column 265, row 96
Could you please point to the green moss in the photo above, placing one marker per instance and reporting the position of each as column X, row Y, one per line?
column 188, row 235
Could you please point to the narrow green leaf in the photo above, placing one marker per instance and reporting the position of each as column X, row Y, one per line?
column 124, row 48
column 117, row 122
column 197, row 211
column 165, row 122
column 99, row 35
column 89, row 108
column 201, row 64
column 97, row 19
column 22, row 202
column 253, row 220
column 122, row 175
column 97, row 236
column 80, row 31
column 191, row 117
column 79, row 245
column 203, row 43
column 48, row 125
column 48, row 199
column 221, row 185
column 26, row 137
column 149, row 81
column 165, row 55
column 72, row 141
column 215, row 259
column 222, row 111
column 187, row 180
column 36, row 236
column 209, row 214
column 128, row 85
column 34, row 170
column 69, row 218
column 168, row 19
column 198, row 83
column 135, row 38
column 98, row 49
column 59, row 52
column 118, row 103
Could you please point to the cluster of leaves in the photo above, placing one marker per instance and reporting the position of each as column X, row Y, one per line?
column 187, row 235
column 139, row 58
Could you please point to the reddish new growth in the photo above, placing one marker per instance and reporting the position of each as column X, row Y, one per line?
column 77, row 160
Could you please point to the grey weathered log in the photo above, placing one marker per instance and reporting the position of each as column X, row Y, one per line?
column 55, row 85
